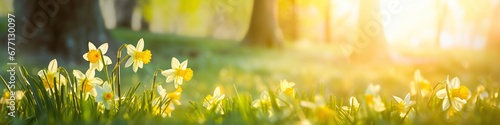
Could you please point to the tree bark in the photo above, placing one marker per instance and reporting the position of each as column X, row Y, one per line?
column 370, row 42
column 264, row 29
column 47, row 29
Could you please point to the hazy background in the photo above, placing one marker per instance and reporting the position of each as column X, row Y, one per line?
column 253, row 44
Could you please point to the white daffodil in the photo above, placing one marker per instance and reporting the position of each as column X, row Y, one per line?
column 49, row 75
column 175, row 96
column 402, row 106
column 137, row 56
column 457, row 94
column 425, row 86
column 104, row 95
column 211, row 101
column 353, row 102
column 287, row 88
column 482, row 92
column 372, row 98
column 94, row 57
column 178, row 73
column 87, row 81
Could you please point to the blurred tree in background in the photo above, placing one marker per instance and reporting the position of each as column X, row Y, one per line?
column 264, row 29
column 58, row 27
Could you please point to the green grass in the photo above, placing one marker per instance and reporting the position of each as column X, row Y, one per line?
column 244, row 72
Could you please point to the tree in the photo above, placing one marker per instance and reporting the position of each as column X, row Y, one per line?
column 59, row 27
column 264, row 29
column 493, row 37
column 370, row 43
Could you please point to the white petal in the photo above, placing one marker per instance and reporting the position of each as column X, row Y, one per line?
column 96, row 81
column 441, row 93
column 264, row 95
column 140, row 64
column 106, row 87
column 446, row 103
column 52, row 66
column 85, row 57
column 178, row 80
column 90, row 73
column 140, row 45
column 135, row 66
column 130, row 50
column 417, row 75
column 92, row 46
column 175, row 63
column 129, row 62
column 407, row 98
column 78, row 74
column 42, row 73
column 217, row 92
column 107, row 60
column 99, row 66
column 457, row 105
column 169, row 79
column 184, row 64
column 176, row 85
column 398, row 100
column 104, row 48
column 354, row 102
column 455, row 83
column 168, row 72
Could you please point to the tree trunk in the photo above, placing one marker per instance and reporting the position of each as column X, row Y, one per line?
column 327, row 21
column 493, row 42
column 370, row 41
column 48, row 29
column 264, row 29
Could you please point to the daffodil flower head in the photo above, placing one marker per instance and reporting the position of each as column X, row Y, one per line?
column 264, row 100
column 137, row 56
column 104, row 94
column 51, row 77
column 94, row 57
column 210, row 101
column 287, row 88
column 178, row 73
column 421, row 82
column 372, row 98
column 87, row 81
column 457, row 93
column 402, row 106
column 175, row 96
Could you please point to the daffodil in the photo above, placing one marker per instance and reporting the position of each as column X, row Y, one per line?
column 137, row 56
column 211, row 101
column 104, row 95
column 353, row 102
column 287, row 88
column 178, row 73
column 420, row 83
column 264, row 100
column 402, row 106
column 174, row 96
column 49, row 75
column 87, row 81
column 320, row 108
column 373, row 99
column 94, row 57
column 482, row 92
column 457, row 94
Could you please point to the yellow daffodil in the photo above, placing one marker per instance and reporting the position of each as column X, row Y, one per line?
column 87, row 81
column 402, row 106
column 372, row 98
column 178, row 73
column 264, row 100
column 94, row 57
column 175, row 96
column 137, row 56
column 210, row 101
column 287, row 88
column 458, row 94
column 50, row 74
column 104, row 95
column 425, row 86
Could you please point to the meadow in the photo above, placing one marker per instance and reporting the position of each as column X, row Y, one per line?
column 222, row 82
